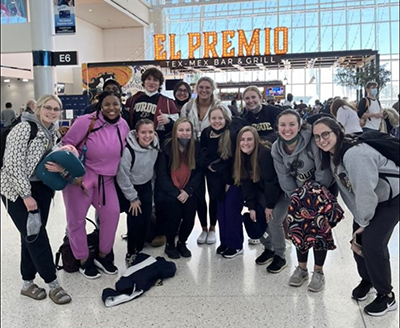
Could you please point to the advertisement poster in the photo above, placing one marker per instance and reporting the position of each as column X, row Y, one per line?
column 13, row 11
column 64, row 16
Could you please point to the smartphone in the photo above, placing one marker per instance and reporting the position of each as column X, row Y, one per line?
column 358, row 239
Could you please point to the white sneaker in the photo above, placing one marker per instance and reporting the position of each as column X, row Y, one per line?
column 211, row 239
column 254, row 241
column 202, row 238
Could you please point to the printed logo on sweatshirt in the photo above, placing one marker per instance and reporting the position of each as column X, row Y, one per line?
column 345, row 181
column 264, row 126
column 301, row 176
column 145, row 109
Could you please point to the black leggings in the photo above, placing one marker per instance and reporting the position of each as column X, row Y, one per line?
column 319, row 257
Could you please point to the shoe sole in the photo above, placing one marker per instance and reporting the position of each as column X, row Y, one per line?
column 298, row 284
column 360, row 299
column 101, row 267
column 210, row 242
column 277, row 271
column 391, row 307
column 89, row 277
column 268, row 262
column 315, row 290
column 232, row 256
column 200, row 242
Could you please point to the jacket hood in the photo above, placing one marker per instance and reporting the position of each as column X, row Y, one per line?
column 25, row 117
column 304, row 139
column 133, row 142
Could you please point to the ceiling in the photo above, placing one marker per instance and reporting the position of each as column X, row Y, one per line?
column 104, row 15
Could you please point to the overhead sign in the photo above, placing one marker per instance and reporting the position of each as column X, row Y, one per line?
column 209, row 41
column 65, row 58
column 64, row 16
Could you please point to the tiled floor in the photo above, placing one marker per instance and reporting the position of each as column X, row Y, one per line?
column 207, row 291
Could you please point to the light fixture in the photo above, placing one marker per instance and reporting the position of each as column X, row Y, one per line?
column 25, row 80
column 285, row 81
column 7, row 80
column 312, row 79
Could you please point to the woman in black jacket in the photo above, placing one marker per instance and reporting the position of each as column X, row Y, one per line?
column 254, row 170
column 178, row 176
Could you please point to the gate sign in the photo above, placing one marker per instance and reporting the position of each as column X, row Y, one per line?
column 65, row 58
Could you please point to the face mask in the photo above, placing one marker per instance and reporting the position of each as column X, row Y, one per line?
column 289, row 142
column 374, row 92
column 183, row 142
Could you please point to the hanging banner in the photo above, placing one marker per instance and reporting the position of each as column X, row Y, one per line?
column 64, row 16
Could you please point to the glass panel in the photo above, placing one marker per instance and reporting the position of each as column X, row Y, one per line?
column 272, row 20
column 353, row 16
column 312, row 19
column 368, row 15
column 383, row 29
column 326, row 39
column 297, row 40
column 339, row 17
column 298, row 20
column 326, row 18
column 394, row 13
column 353, row 37
column 368, row 38
column 382, row 14
column 325, row 91
column 298, row 76
column 312, row 39
column 326, row 75
column 339, row 39
column 395, row 37
column 285, row 20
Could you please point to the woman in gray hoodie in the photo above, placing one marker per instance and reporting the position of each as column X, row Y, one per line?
column 297, row 160
column 134, row 176
column 369, row 185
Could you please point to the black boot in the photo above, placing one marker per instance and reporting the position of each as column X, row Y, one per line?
column 171, row 251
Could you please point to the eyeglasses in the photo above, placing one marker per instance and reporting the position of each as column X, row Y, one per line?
column 324, row 135
column 49, row 108
column 182, row 91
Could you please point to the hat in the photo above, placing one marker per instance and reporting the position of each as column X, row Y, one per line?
column 111, row 81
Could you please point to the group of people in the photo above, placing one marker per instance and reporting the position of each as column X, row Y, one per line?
column 163, row 153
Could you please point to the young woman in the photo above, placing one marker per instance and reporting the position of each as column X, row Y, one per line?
column 297, row 160
column 134, row 177
column 100, row 138
column 346, row 114
column 23, row 194
column 254, row 171
column 182, row 94
column 178, row 176
column 367, row 196
column 261, row 117
column 217, row 149
column 197, row 111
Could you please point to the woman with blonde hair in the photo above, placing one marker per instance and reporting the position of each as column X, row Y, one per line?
column 217, row 150
column 28, row 199
column 197, row 111
column 346, row 114
column 178, row 176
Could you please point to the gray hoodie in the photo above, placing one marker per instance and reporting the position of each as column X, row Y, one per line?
column 308, row 158
column 143, row 167
column 359, row 183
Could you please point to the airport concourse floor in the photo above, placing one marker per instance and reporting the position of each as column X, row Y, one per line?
column 207, row 291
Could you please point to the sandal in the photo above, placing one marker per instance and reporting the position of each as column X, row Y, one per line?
column 59, row 296
column 35, row 292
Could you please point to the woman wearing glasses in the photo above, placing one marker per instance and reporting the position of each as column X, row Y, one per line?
column 297, row 160
column 26, row 197
column 367, row 194
column 182, row 94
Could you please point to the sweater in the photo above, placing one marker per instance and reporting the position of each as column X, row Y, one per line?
column 359, row 183
column 349, row 119
column 306, row 157
column 21, row 157
column 142, row 170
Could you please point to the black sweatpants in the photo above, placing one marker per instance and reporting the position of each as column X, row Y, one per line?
column 138, row 226
column 36, row 257
column 374, row 265
column 180, row 216
column 202, row 206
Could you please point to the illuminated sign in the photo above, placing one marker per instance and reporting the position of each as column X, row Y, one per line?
column 209, row 40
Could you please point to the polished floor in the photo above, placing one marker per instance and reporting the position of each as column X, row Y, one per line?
column 207, row 291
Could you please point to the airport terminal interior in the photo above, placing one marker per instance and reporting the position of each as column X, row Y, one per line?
column 282, row 47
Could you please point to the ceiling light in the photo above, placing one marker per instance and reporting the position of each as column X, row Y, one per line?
column 25, row 80
column 7, row 80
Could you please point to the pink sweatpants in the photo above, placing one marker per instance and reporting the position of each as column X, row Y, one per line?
column 77, row 205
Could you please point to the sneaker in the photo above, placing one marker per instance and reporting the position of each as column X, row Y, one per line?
column 183, row 250
column 171, row 251
column 130, row 259
column 158, row 241
column 202, row 238
column 230, row 253
column 221, row 249
column 211, row 239
column 277, row 265
column 266, row 257
column 317, row 282
column 298, row 277
column 254, row 241
column 381, row 305
column 89, row 270
column 361, row 292
column 105, row 264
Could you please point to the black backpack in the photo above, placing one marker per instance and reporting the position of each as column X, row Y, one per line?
column 6, row 131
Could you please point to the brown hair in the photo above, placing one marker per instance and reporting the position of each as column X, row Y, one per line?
column 224, row 143
column 155, row 73
column 337, row 103
column 239, row 171
column 189, row 151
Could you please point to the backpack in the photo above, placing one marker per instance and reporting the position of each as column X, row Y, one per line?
column 69, row 263
column 6, row 131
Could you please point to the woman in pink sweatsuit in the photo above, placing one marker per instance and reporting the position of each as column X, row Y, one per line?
column 100, row 139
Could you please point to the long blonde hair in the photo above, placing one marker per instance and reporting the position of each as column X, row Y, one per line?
column 189, row 151
column 239, row 171
column 224, row 143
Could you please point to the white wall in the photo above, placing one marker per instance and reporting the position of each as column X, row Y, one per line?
column 16, row 92
column 123, row 44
